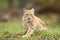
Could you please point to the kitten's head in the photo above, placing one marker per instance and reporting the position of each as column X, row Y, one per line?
column 29, row 14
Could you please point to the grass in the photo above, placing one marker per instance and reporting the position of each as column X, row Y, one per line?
column 8, row 28
column 11, row 27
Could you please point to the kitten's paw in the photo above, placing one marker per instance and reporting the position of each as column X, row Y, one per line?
column 24, row 36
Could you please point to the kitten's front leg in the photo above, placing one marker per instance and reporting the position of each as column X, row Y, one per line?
column 29, row 31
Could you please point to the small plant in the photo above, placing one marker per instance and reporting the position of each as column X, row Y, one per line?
column 6, row 32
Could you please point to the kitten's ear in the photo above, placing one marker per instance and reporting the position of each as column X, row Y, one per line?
column 32, row 9
column 25, row 9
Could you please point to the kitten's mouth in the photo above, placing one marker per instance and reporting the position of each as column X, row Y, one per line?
column 29, row 20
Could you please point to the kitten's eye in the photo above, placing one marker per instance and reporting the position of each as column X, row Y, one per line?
column 30, row 14
column 26, row 14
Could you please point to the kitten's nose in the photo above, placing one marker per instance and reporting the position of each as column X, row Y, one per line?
column 28, row 18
